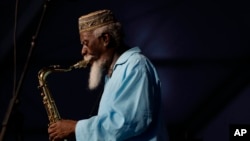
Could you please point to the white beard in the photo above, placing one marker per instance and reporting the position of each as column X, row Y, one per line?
column 96, row 73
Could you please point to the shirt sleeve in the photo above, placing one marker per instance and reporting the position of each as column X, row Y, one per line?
column 127, row 114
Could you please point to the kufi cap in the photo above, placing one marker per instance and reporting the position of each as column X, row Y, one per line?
column 95, row 19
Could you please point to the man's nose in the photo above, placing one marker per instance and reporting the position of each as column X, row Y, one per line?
column 84, row 50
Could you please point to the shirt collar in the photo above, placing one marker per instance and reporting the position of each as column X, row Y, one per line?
column 124, row 57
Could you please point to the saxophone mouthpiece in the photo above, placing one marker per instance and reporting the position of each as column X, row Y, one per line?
column 80, row 64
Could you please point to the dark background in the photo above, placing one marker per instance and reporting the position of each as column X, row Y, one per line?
column 200, row 49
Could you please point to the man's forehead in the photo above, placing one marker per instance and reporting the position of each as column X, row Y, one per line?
column 86, row 34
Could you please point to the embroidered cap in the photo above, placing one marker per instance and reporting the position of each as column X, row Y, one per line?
column 95, row 19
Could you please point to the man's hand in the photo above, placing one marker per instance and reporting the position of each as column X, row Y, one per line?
column 61, row 129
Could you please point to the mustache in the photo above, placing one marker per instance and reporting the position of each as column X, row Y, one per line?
column 89, row 57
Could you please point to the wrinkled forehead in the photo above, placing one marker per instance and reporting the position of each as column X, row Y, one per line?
column 87, row 35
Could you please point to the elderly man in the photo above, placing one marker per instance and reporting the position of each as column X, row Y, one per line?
column 130, row 106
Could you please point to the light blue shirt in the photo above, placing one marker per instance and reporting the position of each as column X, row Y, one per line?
column 130, row 105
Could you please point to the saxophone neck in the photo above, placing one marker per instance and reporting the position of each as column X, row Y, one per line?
column 44, row 72
column 57, row 68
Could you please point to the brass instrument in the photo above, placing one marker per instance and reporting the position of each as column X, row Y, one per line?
column 48, row 101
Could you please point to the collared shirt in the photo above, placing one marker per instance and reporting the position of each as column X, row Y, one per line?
column 130, row 105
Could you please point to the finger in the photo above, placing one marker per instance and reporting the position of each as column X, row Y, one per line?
column 57, row 138
column 52, row 136
column 52, row 125
column 51, row 129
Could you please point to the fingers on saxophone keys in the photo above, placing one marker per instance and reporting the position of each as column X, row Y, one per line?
column 52, row 136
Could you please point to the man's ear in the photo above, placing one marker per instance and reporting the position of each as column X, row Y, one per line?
column 106, row 39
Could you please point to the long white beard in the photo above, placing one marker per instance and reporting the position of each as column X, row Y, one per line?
column 96, row 73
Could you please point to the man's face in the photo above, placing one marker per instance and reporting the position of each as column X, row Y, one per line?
column 92, row 46
column 92, row 49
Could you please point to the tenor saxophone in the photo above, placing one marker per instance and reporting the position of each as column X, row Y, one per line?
column 48, row 101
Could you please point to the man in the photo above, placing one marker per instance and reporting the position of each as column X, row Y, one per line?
column 130, row 106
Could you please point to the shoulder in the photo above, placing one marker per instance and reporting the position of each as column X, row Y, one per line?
column 134, row 60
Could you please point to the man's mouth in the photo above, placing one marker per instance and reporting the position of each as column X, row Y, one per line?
column 90, row 58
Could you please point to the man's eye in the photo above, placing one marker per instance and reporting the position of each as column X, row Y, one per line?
column 84, row 43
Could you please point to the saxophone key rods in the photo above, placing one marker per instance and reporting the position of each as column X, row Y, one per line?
column 48, row 101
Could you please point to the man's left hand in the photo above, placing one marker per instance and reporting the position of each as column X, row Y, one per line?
column 61, row 129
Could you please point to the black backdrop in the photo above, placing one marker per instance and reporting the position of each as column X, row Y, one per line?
column 200, row 48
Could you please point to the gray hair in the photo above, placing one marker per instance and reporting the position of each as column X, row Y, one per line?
column 113, row 29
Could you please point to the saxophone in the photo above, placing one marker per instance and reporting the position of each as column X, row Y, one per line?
column 48, row 101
